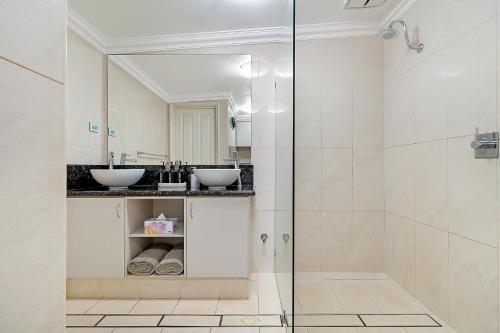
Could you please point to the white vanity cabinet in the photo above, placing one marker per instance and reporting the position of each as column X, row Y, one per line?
column 95, row 237
column 217, row 237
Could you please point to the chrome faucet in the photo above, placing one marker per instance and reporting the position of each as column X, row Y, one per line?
column 235, row 157
column 111, row 160
column 124, row 159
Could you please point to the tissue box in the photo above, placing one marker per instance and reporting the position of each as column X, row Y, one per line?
column 164, row 226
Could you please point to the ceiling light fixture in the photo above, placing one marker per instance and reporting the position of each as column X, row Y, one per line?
column 246, row 69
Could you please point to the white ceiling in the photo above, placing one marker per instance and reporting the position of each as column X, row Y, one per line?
column 188, row 77
column 134, row 18
column 145, row 18
column 328, row 11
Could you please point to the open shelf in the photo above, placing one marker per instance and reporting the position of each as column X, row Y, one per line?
column 179, row 233
column 139, row 210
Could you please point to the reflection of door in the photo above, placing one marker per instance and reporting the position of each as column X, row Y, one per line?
column 195, row 134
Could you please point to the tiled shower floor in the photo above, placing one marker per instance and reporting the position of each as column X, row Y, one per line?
column 359, row 303
column 324, row 303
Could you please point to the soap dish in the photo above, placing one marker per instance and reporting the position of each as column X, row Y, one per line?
column 172, row 186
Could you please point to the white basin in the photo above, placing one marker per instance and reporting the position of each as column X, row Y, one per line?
column 117, row 178
column 217, row 177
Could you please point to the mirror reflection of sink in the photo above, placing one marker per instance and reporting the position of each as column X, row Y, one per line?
column 117, row 179
column 217, row 178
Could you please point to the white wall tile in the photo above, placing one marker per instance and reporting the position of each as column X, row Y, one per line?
column 368, row 55
column 368, row 179
column 430, row 101
column 33, row 35
column 400, row 250
column 431, row 191
column 471, row 193
column 399, row 111
column 336, row 180
column 308, row 179
column 336, row 241
column 431, row 283
column 368, row 116
column 368, row 242
column 32, row 123
column 399, row 172
column 307, row 241
column 262, row 252
column 471, row 84
column 336, row 119
column 473, row 286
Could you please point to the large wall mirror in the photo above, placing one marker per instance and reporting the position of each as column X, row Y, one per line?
column 192, row 108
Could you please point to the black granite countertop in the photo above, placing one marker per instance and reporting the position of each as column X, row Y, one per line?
column 152, row 191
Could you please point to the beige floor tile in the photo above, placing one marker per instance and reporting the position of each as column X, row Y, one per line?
column 196, row 306
column 186, row 330
column 263, row 320
column 138, row 330
column 190, row 321
column 241, row 306
column 398, row 320
column 429, row 330
column 154, row 306
column 130, row 321
column 235, row 330
column 395, row 298
column 82, row 320
column 79, row 306
column 89, row 330
column 113, row 306
column 356, row 296
column 327, row 320
column 379, row 330
column 354, row 276
column 273, row 330
column 331, row 330
column 316, row 297
column 269, row 300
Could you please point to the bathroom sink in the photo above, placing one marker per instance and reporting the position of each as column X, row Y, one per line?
column 117, row 179
column 217, row 177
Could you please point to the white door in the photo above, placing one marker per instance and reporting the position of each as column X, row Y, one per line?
column 195, row 135
column 96, row 241
column 217, row 237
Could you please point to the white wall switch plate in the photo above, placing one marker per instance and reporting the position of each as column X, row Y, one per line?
column 112, row 132
column 93, row 127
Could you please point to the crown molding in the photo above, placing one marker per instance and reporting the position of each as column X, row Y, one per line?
column 335, row 30
column 229, row 37
column 201, row 97
column 136, row 72
column 87, row 31
column 200, row 40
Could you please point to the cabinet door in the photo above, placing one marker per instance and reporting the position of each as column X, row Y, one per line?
column 96, row 241
column 217, row 237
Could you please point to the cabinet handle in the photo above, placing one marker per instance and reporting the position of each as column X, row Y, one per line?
column 117, row 210
column 191, row 210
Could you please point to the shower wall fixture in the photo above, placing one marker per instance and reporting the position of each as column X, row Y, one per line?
column 390, row 32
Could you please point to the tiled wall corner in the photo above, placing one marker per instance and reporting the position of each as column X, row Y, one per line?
column 441, row 203
column 339, row 164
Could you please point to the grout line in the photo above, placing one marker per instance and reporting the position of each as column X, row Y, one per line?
column 31, row 70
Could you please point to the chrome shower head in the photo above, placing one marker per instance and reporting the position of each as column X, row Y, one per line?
column 390, row 32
